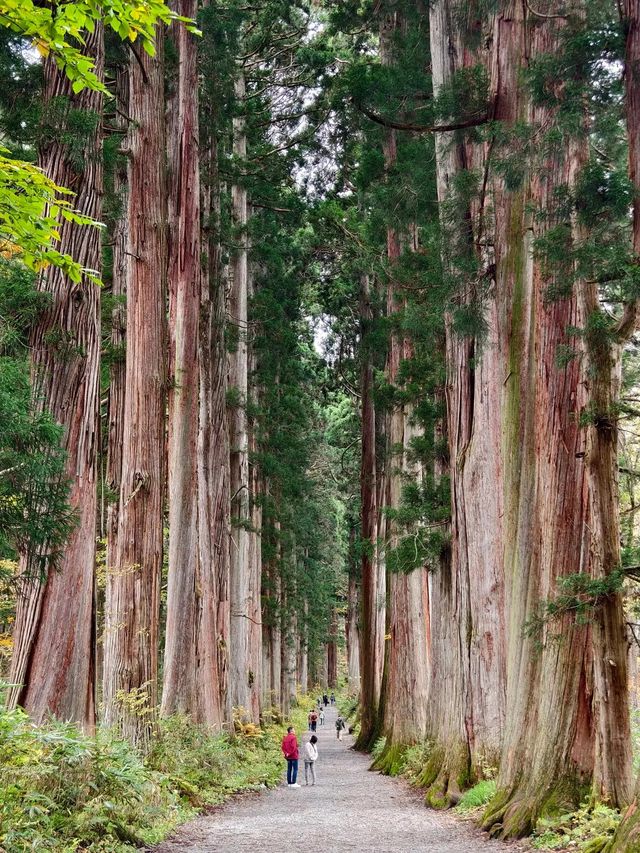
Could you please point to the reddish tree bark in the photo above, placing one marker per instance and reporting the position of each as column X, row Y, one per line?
column 603, row 440
column 115, row 402
column 352, row 634
column 133, row 578
column 53, row 660
column 240, row 584
column 467, row 632
column 404, row 705
column 370, row 650
column 213, row 434
column 191, row 677
column 548, row 746
column 332, row 652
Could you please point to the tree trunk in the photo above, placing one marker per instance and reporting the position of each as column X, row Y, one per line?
column 133, row 582
column 288, row 674
column 276, row 631
column 115, row 405
column 255, row 539
column 332, row 652
column 370, row 641
column 406, row 685
column 183, row 652
column 467, row 631
column 603, row 439
column 352, row 633
column 241, row 606
column 53, row 660
column 213, row 434
column 548, row 746
column 303, row 650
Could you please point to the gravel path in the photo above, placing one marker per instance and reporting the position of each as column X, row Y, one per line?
column 350, row 809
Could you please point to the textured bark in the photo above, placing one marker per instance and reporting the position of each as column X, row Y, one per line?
column 467, row 632
column 240, row 584
column 332, row 652
column 275, row 632
column 352, row 634
column 323, row 668
column 180, row 692
column 303, row 651
column 133, row 578
column 612, row 779
column 276, row 650
column 54, row 657
column 115, row 403
column 407, row 669
column 288, row 673
column 627, row 837
column 370, row 660
column 548, row 746
column 191, row 666
column 255, row 539
column 213, row 435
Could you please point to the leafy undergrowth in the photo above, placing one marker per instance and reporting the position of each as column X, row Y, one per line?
column 63, row 791
column 589, row 829
column 415, row 759
column 378, row 748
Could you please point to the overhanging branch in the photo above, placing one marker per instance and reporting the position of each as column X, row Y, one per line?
column 472, row 121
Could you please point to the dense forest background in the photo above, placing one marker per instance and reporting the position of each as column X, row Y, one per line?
column 319, row 367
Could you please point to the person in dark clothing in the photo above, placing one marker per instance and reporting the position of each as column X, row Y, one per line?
column 290, row 752
column 325, row 699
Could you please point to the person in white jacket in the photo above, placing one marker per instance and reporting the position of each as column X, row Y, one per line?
column 310, row 758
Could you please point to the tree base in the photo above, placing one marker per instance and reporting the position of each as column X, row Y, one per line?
column 446, row 775
column 627, row 837
column 367, row 738
column 514, row 813
column 391, row 760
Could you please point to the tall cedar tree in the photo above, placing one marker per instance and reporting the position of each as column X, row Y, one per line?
column 130, row 676
column 53, row 659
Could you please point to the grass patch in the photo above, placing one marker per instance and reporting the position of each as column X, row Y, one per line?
column 478, row 796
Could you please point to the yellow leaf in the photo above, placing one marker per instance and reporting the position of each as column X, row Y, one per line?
column 41, row 47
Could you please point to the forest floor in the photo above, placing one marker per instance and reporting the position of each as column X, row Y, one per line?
column 349, row 809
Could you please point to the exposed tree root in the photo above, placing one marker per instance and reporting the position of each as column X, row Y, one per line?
column 446, row 775
column 514, row 812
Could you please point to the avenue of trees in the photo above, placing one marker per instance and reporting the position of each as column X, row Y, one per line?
column 348, row 370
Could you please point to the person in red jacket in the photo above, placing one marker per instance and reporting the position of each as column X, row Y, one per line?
column 290, row 750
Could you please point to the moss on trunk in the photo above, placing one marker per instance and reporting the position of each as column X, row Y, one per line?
column 627, row 837
column 514, row 813
column 391, row 759
column 446, row 774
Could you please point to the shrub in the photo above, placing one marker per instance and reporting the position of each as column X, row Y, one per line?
column 415, row 759
column 378, row 748
column 63, row 791
column 588, row 829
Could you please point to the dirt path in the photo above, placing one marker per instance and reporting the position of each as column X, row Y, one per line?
column 350, row 809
